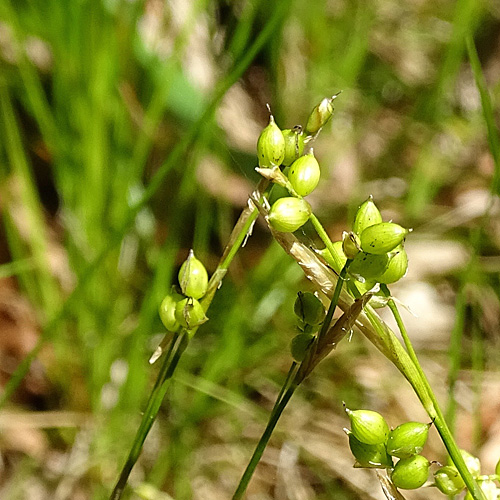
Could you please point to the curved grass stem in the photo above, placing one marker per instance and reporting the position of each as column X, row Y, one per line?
column 435, row 411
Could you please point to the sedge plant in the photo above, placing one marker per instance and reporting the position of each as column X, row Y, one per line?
column 354, row 275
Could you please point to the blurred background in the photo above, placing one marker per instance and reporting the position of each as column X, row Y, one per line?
column 127, row 136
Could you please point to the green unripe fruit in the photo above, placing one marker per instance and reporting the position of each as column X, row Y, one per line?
column 407, row 439
column 167, row 311
column 489, row 489
column 304, row 174
column 411, row 473
column 448, row 480
column 308, row 308
column 320, row 115
column 271, row 145
column 367, row 215
column 288, row 214
column 369, row 455
column 336, row 260
column 294, row 145
column 189, row 313
column 193, row 277
column 472, row 463
column 366, row 266
column 300, row 344
column 397, row 267
column 382, row 238
column 368, row 426
column 350, row 244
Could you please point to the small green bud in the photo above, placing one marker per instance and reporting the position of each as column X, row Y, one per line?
column 271, row 145
column 300, row 344
column 448, row 480
column 167, row 311
column 368, row 426
column 411, row 473
column 369, row 455
column 366, row 266
column 367, row 215
column 382, row 238
column 189, row 313
column 350, row 244
column 397, row 267
column 309, row 309
column 320, row 115
column 336, row 260
column 497, row 468
column 294, row 144
column 193, row 277
column 472, row 463
column 304, row 174
column 488, row 487
column 407, row 439
column 288, row 214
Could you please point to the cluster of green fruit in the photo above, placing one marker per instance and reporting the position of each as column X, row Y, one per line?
column 184, row 309
column 301, row 173
column 376, row 249
column 374, row 445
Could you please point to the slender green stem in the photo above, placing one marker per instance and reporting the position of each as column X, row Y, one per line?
column 176, row 348
column 439, row 420
column 264, row 440
column 322, row 233
column 289, row 377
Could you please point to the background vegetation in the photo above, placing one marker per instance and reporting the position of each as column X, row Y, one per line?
column 127, row 136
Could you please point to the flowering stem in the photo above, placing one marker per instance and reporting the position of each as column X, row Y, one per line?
column 180, row 342
column 435, row 411
column 287, row 392
column 177, row 347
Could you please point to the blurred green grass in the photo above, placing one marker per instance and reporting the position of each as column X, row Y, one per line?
column 113, row 114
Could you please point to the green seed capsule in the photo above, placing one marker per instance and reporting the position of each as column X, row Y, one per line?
column 368, row 426
column 189, row 313
column 288, row 214
column 397, row 267
column 271, row 145
column 320, row 115
column 411, row 473
column 472, row 463
column 382, row 238
column 407, row 439
column 304, row 174
column 350, row 244
column 366, row 266
column 193, row 277
column 489, row 489
column 167, row 311
column 294, row 144
column 336, row 260
column 366, row 216
column 308, row 308
column 369, row 455
column 448, row 480
column 300, row 344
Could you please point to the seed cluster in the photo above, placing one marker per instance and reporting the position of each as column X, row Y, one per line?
column 374, row 446
column 184, row 310
column 301, row 172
